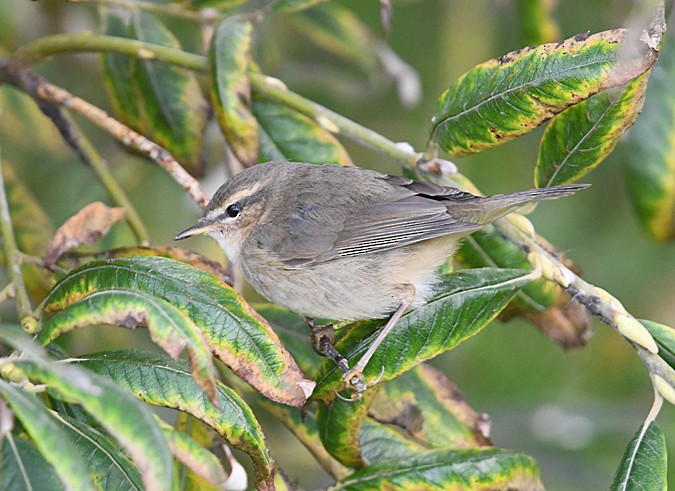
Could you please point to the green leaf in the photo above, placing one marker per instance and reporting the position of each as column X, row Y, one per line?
column 488, row 248
column 579, row 138
column 121, row 415
column 173, row 109
column 460, row 470
column 52, row 442
column 506, row 97
column 169, row 327
column 650, row 166
column 127, row 420
column 430, row 409
column 286, row 134
column 193, row 455
column 537, row 22
column 160, row 381
column 24, row 468
column 230, row 89
column 465, row 302
column 665, row 340
column 32, row 229
column 339, row 424
column 237, row 335
column 382, row 443
column 304, row 427
column 106, row 461
column 644, row 464
column 294, row 334
column 339, row 31
column 216, row 4
column 118, row 72
column 289, row 6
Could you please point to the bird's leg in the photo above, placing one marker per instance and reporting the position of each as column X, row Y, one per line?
column 354, row 377
column 323, row 336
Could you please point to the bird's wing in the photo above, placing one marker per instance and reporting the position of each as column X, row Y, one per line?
column 409, row 212
column 386, row 226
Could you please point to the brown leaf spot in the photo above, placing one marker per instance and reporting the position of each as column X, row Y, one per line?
column 84, row 228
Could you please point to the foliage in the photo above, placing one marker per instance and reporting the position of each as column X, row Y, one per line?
column 224, row 367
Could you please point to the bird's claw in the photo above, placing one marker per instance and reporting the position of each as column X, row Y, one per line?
column 354, row 383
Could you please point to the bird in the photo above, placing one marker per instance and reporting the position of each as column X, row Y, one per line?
column 344, row 242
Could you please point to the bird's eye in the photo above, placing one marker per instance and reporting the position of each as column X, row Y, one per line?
column 233, row 210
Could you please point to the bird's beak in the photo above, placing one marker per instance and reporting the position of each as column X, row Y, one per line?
column 201, row 227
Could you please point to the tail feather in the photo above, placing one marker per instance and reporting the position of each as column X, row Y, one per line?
column 493, row 207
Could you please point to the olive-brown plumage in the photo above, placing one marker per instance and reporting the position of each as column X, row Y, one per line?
column 346, row 243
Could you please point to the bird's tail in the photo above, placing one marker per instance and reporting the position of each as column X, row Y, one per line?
column 494, row 207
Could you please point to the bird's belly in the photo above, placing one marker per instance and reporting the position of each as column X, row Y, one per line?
column 351, row 288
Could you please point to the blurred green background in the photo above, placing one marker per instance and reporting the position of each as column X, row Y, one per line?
column 573, row 411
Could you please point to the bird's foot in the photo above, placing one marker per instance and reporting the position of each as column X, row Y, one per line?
column 355, row 384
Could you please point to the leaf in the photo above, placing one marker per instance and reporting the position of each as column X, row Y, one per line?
column 644, row 464
column 487, row 248
column 193, row 455
column 106, row 461
column 118, row 72
column 431, row 410
column 160, row 381
column 339, row 424
column 579, row 138
column 24, row 468
column 339, row 31
column 304, row 428
column 537, row 22
column 216, row 4
column 294, row 334
column 230, row 89
column 382, row 443
column 84, row 228
column 289, row 6
column 121, row 415
column 465, row 302
column 650, row 166
column 288, row 135
column 173, row 110
column 192, row 258
column 169, row 327
column 506, row 97
column 52, row 442
column 460, row 470
column 32, row 229
column 542, row 303
column 237, row 335
column 665, row 340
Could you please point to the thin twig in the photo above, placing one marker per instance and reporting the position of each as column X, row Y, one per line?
column 269, row 87
column 604, row 306
column 203, row 16
column 84, row 149
column 41, row 90
column 91, row 42
column 274, row 89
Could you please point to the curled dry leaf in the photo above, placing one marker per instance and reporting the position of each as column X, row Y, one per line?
column 84, row 228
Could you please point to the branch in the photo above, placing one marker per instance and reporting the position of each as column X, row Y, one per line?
column 596, row 300
column 89, row 42
column 203, row 16
column 42, row 91
column 269, row 87
column 91, row 158
column 275, row 89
